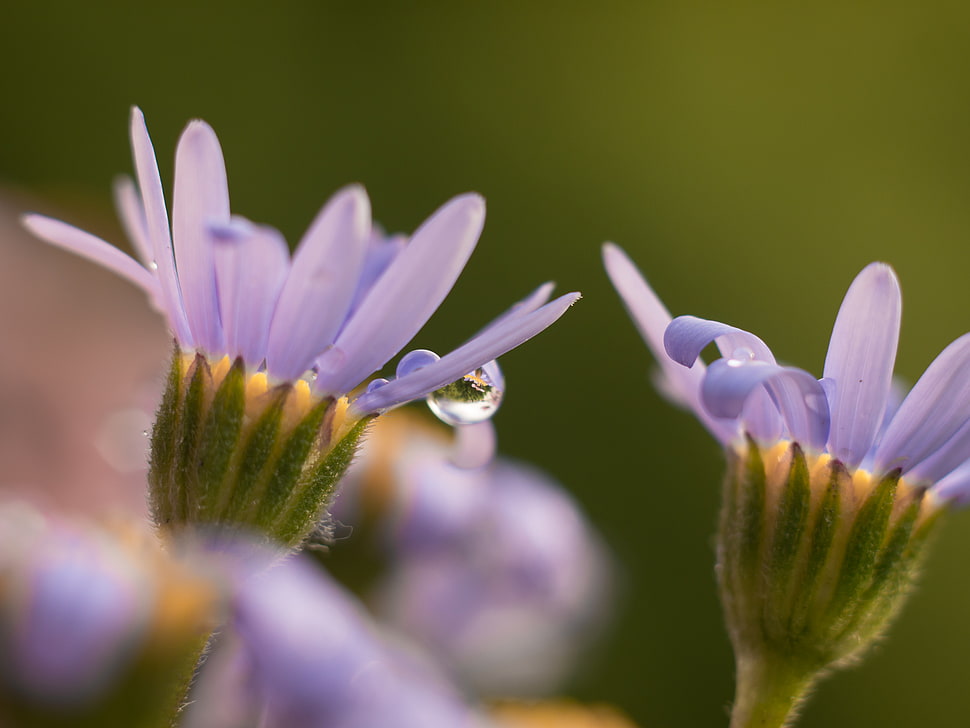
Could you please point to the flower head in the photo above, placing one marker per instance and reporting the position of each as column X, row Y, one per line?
column 833, row 484
column 268, row 344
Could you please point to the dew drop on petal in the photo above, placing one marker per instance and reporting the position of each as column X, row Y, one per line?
column 473, row 398
column 375, row 384
column 414, row 360
column 152, row 265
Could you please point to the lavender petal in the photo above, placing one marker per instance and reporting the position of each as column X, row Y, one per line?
column 860, row 359
column 490, row 344
column 201, row 199
column 686, row 337
column 406, row 295
column 321, row 284
column 132, row 216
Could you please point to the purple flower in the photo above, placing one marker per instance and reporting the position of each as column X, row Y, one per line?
column 345, row 304
column 315, row 659
column 850, row 414
column 494, row 568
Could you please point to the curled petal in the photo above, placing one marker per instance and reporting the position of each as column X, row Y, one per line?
column 682, row 384
column 859, row 363
column 686, row 337
column 798, row 396
column 932, row 413
column 490, row 344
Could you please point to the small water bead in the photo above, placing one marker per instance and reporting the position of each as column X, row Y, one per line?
column 473, row 398
column 375, row 384
column 740, row 356
column 414, row 360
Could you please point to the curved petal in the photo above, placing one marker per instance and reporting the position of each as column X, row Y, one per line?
column 93, row 248
column 860, row 359
column 251, row 265
column 948, row 457
column 132, row 216
column 156, row 224
column 539, row 297
column 687, row 336
column 201, row 199
column 797, row 394
column 955, row 487
column 321, row 284
column 491, row 344
column 403, row 299
column 651, row 319
column 935, row 409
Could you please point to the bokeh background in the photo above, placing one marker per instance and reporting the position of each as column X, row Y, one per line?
column 751, row 157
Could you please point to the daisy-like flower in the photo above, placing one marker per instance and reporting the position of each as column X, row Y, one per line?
column 833, row 484
column 256, row 425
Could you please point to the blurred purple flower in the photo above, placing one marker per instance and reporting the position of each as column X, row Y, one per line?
column 346, row 303
column 316, row 660
column 494, row 569
column 850, row 414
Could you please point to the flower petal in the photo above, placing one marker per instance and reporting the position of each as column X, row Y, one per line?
column 156, row 223
column 132, row 215
column 651, row 319
column 955, row 487
column 947, row 458
column 687, row 336
column 93, row 248
column 251, row 265
column 403, row 299
column 935, row 409
column 490, row 344
column 860, row 359
column 201, row 199
column 796, row 393
column 321, row 284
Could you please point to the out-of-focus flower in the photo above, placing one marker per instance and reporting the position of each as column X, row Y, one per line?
column 832, row 484
column 96, row 625
column 493, row 569
column 314, row 659
column 244, row 435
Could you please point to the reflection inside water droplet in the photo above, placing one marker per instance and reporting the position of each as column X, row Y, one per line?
column 473, row 398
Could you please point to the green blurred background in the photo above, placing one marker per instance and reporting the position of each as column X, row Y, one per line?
column 751, row 158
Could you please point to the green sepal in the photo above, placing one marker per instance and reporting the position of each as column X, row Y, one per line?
column 303, row 510
column 220, row 439
column 187, row 466
column 252, row 458
column 163, row 494
column 287, row 468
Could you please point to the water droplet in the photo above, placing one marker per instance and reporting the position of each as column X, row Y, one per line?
column 375, row 384
column 740, row 357
column 473, row 398
column 414, row 360
column 153, row 265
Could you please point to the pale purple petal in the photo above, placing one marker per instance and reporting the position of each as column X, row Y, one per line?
column 761, row 418
column 251, row 265
column 860, row 359
column 474, row 445
column 93, row 248
column 651, row 319
column 798, row 396
column 955, row 487
column 950, row 455
column 381, row 252
column 687, row 336
column 935, row 409
column 539, row 297
column 132, row 215
column 318, row 293
column 156, row 222
column 405, row 296
column 489, row 345
column 201, row 199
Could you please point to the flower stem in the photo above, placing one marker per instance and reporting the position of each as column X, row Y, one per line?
column 768, row 691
